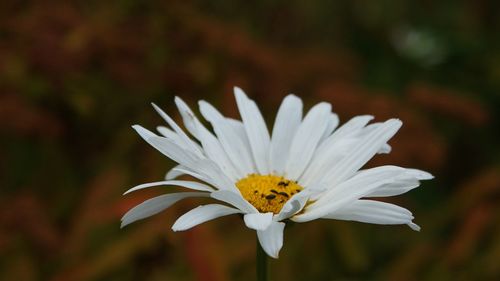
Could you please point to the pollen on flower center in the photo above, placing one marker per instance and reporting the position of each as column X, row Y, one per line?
column 267, row 193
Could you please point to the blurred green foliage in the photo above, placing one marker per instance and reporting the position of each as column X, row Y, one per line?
column 75, row 75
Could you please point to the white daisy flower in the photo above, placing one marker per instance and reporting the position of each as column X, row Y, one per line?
column 307, row 169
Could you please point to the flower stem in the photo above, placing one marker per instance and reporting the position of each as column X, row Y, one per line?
column 261, row 263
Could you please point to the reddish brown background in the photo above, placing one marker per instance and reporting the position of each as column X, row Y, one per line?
column 74, row 75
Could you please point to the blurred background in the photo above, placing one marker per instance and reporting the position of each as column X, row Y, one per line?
column 75, row 75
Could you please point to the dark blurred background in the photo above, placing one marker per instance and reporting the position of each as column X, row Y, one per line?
column 75, row 75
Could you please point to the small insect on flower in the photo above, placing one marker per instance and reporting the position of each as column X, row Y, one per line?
column 306, row 169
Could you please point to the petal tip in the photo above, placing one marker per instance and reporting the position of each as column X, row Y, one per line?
column 239, row 93
column 426, row 176
column 273, row 254
column 181, row 104
column 421, row 175
column 176, row 228
column 414, row 226
column 396, row 121
column 123, row 223
column 293, row 97
column 136, row 127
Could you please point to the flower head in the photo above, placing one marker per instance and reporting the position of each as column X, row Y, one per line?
column 307, row 169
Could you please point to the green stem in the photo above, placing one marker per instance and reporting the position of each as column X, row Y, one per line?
column 261, row 263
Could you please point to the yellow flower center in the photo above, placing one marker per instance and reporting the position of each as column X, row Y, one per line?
column 267, row 193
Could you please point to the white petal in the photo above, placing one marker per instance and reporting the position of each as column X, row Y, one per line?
column 167, row 146
column 208, row 172
column 155, row 205
column 187, row 115
column 419, row 174
column 333, row 122
column 174, row 172
column 211, row 171
column 362, row 183
column 414, row 226
column 363, row 151
column 349, row 128
column 370, row 211
column 271, row 239
column 187, row 141
column 186, row 171
column 323, row 161
column 258, row 221
column 294, row 205
column 398, row 187
column 173, row 151
column 306, row 139
column 206, row 168
column 256, row 130
column 166, row 132
column 333, row 149
column 287, row 122
column 343, row 194
column 234, row 199
column 187, row 184
column 236, row 149
column 385, row 149
column 409, row 180
column 214, row 151
column 239, row 130
column 202, row 214
column 143, row 132
column 210, row 143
